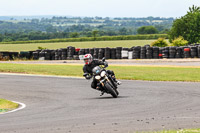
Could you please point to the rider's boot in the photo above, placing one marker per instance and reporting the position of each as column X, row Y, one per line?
column 99, row 88
column 117, row 81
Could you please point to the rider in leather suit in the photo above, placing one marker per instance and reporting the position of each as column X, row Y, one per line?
column 90, row 63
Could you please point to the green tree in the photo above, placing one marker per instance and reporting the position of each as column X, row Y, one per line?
column 161, row 42
column 74, row 35
column 179, row 42
column 94, row 33
column 123, row 31
column 187, row 26
column 147, row 30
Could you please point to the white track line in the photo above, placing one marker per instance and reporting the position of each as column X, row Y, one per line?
column 35, row 75
column 22, row 106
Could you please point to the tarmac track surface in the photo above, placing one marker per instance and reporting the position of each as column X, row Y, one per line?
column 64, row 105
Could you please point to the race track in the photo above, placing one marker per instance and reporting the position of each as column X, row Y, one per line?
column 69, row 105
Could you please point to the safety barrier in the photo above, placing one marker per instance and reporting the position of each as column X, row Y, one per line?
column 136, row 52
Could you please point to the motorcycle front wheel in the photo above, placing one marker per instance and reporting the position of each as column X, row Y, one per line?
column 111, row 90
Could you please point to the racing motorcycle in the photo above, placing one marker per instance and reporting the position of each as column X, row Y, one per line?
column 106, row 82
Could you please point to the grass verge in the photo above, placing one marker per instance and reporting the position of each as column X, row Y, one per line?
column 6, row 105
column 177, row 131
column 89, row 44
column 149, row 73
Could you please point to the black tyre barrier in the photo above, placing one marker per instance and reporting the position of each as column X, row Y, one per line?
column 194, row 52
column 107, row 53
column 118, row 52
column 160, row 53
column 101, row 53
column 187, row 52
column 91, row 51
column 149, row 53
column 113, row 53
column 172, row 52
column 96, row 53
column 143, row 53
column 165, row 52
column 198, row 52
column 179, row 52
column 155, row 52
column 136, row 52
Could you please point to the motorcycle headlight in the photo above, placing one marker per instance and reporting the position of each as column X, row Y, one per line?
column 97, row 77
column 103, row 73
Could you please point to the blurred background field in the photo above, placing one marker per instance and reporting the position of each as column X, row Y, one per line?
column 91, row 44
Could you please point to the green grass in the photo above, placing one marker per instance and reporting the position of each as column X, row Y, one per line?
column 177, row 131
column 7, row 105
column 90, row 44
column 122, row 72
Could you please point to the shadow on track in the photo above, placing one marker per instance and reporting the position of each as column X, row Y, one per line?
column 107, row 97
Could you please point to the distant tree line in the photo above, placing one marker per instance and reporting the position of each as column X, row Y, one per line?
column 65, row 27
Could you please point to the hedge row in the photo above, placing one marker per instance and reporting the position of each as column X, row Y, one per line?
column 103, row 38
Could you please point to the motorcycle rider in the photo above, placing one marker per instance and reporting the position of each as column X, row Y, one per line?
column 90, row 63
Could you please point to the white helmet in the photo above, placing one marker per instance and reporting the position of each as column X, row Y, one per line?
column 88, row 59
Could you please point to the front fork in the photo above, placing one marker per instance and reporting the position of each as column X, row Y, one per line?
column 108, row 79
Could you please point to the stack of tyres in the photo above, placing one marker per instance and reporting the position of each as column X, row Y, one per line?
column 70, row 52
column 147, row 45
column 76, row 55
column 155, row 52
column 42, row 55
column 160, row 53
column 143, row 53
column 124, row 53
column 179, row 52
column 87, row 51
column 136, row 52
column 101, row 53
column 25, row 54
column 186, row 52
column 91, row 51
column 59, row 54
column 13, row 55
column 172, row 52
column 64, row 53
column 35, row 55
column 149, row 52
column 53, row 54
column 96, row 53
column 198, row 50
column 5, row 55
column 47, row 54
column 130, row 53
column 193, row 50
column 107, row 53
column 113, row 53
column 31, row 54
column 81, row 52
column 56, row 54
column 77, row 50
column 118, row 52
column 165, row 52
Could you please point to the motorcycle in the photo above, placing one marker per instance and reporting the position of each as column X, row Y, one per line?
column 106, row 82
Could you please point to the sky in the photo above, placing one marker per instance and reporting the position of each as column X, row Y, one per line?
column 101, row 8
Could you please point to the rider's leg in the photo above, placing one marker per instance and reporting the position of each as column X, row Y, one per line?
column 113, row 76
column 95, row 85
